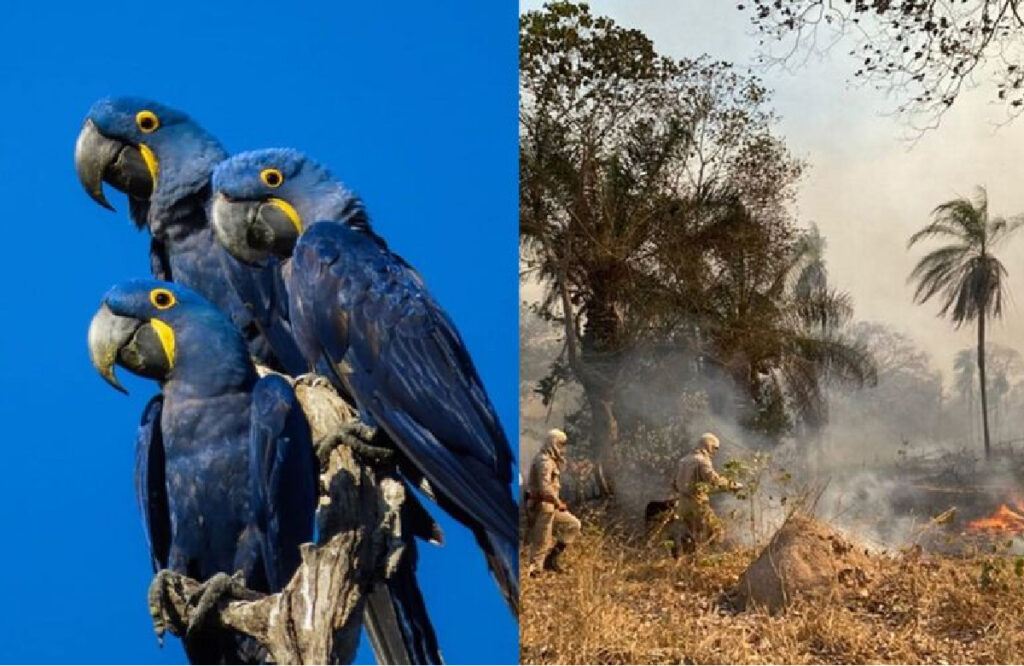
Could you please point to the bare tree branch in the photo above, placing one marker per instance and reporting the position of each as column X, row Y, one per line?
column 923, row 53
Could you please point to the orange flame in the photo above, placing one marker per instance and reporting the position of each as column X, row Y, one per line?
column 1004, row 520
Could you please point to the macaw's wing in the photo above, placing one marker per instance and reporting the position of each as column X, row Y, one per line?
column 397, row 353
column 151, row 485
column 283, row 476
column 413, row 373
column 411, row 369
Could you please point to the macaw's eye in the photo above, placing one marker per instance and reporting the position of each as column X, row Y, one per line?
column 162, row 299
column 271, row 177
column 147, row 121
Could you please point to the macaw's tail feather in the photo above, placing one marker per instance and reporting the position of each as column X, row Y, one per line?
column 501, row 548
column 396, row 619
column 503, row 560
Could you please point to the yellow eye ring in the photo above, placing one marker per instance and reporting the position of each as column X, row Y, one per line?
column 271, row 177
column 162, row 299
column 147, row 121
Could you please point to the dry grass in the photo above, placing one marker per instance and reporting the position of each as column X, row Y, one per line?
column 622, row 603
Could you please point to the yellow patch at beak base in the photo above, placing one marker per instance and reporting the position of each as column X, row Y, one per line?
column 289, row 211
column 151, row 162
column 166, row 335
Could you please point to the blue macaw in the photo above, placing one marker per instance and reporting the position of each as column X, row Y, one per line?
column 226, row 475
column 163, row 161
column 363, row 317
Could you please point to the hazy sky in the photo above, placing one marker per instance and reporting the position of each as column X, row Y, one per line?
column 866, row 188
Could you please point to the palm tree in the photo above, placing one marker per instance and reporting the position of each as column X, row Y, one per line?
column 968, row 278
column 774, row 324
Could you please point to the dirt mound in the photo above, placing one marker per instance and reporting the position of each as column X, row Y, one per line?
column 805, row 558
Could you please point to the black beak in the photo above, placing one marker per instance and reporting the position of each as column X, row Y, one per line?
column 128, row 342
column 253, row 232
column 99, row 158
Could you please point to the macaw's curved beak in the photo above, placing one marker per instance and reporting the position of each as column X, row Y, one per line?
column 255, row 231
column 129, row 342
column 99, row 158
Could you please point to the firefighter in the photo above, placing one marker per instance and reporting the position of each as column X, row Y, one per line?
column 550, row 526
column 695, row 521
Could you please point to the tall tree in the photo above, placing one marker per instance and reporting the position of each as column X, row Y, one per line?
column 590, row 128
column 965, row 274
column 619, row 148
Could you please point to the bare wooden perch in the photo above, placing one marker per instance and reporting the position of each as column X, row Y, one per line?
column 318, row 616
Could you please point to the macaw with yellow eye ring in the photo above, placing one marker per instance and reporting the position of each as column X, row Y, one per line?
column 226, row 476
column 362, row 316
column 163, row 161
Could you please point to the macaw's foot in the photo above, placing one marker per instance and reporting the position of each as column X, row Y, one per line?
column 364, row 441
column 204, row 603
column 164, row 588
column 182, row 606
column 353, row 435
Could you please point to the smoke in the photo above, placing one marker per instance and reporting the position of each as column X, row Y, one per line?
column 896, row 455
column 892, row 457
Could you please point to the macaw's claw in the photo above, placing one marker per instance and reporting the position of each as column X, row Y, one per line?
column 364, row 442
column 204, row 603
column 165, row 585
column 373, row 453
column 323, row 449
column 181, row 606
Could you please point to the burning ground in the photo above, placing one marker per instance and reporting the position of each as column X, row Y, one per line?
column 624, row 601
column 950, row 502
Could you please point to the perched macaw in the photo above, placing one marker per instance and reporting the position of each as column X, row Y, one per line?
column 163, row 161
column 362, row 316
column 226, row 474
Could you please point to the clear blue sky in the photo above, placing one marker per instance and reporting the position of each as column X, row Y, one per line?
column 413, row 104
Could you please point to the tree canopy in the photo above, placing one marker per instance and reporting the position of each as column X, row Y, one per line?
column 926, row 53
